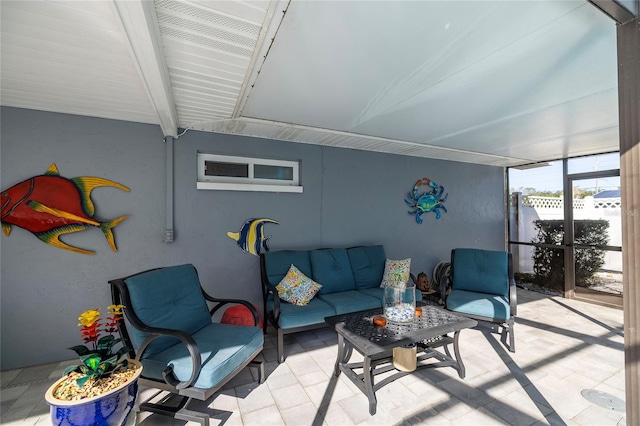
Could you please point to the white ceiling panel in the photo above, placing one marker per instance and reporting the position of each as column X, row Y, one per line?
column 377, row 55
column 473, row 76
column 488, row 82
column 522, row 79
column 69, row 57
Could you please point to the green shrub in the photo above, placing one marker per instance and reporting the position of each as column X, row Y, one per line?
column 548, row 263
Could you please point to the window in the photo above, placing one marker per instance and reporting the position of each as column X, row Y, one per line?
column 594, row 163
column 565, row 226
column 224, row 172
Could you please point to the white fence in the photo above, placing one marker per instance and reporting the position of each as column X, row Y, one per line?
column 524, row 210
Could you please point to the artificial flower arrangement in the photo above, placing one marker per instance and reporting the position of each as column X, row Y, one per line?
column 101, row 369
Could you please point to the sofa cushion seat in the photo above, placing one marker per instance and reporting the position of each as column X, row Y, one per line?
column 228, row 347
column 486, row 271
column 167, row 298
column 481, row 304
column 350, row 301
column 292, row 316
column 332, row 270
column 277, row 264
column 367, row 264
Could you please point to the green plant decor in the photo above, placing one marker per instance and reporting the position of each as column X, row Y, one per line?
column 98, row 361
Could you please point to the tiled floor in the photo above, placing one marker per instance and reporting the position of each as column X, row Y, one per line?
column 563, row 347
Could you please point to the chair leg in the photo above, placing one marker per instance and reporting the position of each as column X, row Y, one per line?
column 512, row 339
column 507, row 328
column 280, row 346
column 260, row 366
column 264, row 317
column 192, row 416
column 180, row 412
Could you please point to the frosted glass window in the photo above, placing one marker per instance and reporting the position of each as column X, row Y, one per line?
column 215, row 168
column 273, row 172
column 234, row 173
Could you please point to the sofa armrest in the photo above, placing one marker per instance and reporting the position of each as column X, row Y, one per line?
column 120, row 295
column 276, row 301
column 269, row 289
column 194, row 352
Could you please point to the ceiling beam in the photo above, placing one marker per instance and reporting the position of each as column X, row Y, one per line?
column 140, row 25
column 616, row 10
column 273, row 18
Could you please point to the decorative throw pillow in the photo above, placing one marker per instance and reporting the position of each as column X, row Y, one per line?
column 396, row 273
column 297, row 288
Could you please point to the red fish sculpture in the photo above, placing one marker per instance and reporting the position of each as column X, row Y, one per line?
column 50, row 205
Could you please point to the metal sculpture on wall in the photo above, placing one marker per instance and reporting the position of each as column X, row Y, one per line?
column 50, row 205
column 428, row 201
column 250, row 237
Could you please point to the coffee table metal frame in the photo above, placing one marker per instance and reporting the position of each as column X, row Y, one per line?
column 375, row 344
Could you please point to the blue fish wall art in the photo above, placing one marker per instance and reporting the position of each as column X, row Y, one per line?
column 250, row 237
column 50, row 206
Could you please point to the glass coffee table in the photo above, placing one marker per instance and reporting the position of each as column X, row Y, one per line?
column 375, row 344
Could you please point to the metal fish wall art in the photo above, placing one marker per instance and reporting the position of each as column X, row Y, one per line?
column 50, row 206
column 250, row 237
column 430, row 200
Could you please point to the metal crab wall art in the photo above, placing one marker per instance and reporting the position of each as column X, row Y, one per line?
column 428, row 201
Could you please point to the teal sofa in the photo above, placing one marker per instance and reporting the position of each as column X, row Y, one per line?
column 350, row 279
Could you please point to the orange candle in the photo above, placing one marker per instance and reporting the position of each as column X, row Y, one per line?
column 418, row 311
column 379, row 320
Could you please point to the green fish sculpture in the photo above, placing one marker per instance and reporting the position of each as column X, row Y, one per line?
column 50, row 205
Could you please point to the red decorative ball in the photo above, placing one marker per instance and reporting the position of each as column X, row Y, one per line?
column 240, row 315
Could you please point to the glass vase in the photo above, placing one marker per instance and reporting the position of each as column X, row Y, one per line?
column 399, row 302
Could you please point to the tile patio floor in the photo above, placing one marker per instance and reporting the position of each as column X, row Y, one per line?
column 563, row 347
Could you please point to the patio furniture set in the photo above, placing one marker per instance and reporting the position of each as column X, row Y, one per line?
column 169, row 325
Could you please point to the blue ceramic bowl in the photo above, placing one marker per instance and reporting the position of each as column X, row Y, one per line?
column 110, row 409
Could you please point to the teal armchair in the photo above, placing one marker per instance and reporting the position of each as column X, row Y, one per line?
column 169, row 328
column 483, row 288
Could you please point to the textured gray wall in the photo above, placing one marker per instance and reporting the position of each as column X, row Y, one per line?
column 350, row 197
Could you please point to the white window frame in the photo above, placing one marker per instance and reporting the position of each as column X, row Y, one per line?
column 228, row 183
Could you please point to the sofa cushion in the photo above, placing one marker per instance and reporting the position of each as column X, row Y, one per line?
column 481, row 304
column 277, row 264
column 367, row 264
column 229, row 346
column 167, row 298
column 483, row 271
column 396, row 272
column 350, row 301
column 378, row 293
column 331, row 269
column 292, row 316
column 297, row 288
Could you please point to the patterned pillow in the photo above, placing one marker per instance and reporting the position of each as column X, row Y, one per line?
column 297, row 288
column 396, row 273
